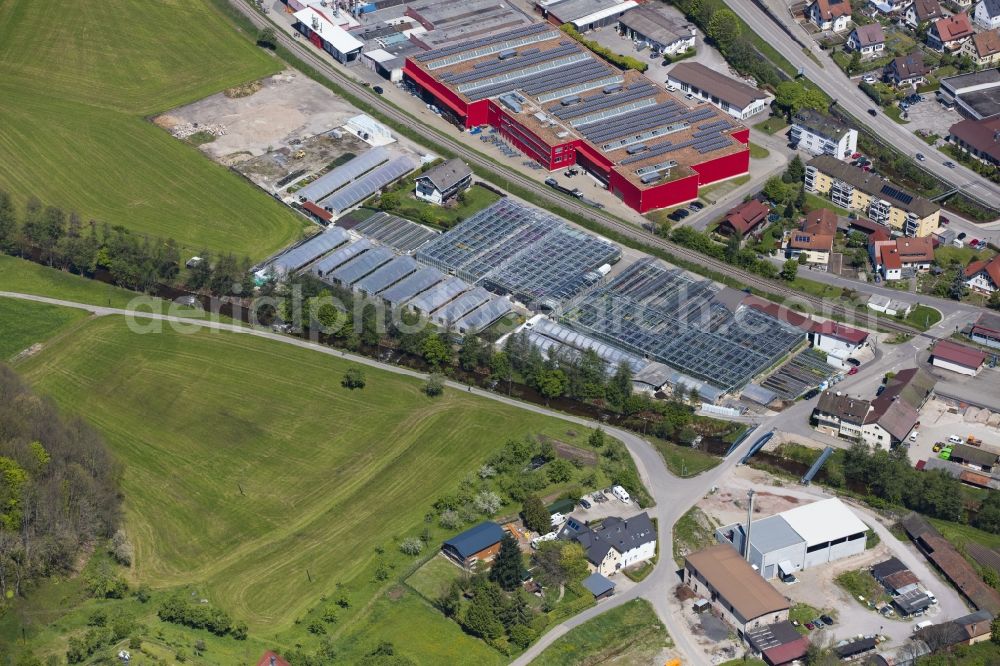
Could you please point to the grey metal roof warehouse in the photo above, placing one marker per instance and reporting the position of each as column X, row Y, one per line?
column 345, row 173
column 409, row 287
column 655, row 24
column 310, row 250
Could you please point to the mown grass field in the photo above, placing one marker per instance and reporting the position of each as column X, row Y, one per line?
column 74, row 98
column 23, row 323
column 27, row 277
column 629, row 634
column 253, row 475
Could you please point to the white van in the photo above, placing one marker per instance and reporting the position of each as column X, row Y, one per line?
column 954, row 439
column 621, row 494
column 921, row 625
column 914, row 435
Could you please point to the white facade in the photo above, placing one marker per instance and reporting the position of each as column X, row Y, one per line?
column 425, row 190
column 812, row 141
column 981, row 282
column 954, row 367
column 740, row 113
column 838, row 24
column 836, row 346
column 987, row 14
column 866, row 51
column 831, row 531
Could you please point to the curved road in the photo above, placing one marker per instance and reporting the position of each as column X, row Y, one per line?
column 673, row 496
column 837, row 85
column 338, row 77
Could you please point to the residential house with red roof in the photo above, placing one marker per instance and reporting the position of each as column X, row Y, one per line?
column 957, row 358
column 747, row 219
column 983, row 276
column 830, row 14
column 950, row 33
column 814, row 238
column 837, row 339
column 901, row 258
column 983, row 48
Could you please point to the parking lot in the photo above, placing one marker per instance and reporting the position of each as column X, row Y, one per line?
column 939, row 421
column 930, row 116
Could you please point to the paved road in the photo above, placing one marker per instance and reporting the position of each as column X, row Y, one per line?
column 337, row 75
column 672, row 496
column 831, row 79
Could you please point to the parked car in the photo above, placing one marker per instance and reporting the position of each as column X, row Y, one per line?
column 671, row 88
column 810, row 626
column 961, row 236
column 697, row 205
column 855, row 156
column 872, row 112
column 914, row 435
column 689, row 96
column 585, row 503
column 683, row 212
column 920, row 157
column 944, row 220
column 937, row 447
column 378, row 90
column 974, row 242
column 879, row 390
column 853, row 361
column 852, row 371
column 869, row 79
column 950, row 164
column 810, row 394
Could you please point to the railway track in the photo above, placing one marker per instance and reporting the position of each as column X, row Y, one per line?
column 340, row 79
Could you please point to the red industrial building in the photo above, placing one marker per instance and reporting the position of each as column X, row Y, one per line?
column 561, row 105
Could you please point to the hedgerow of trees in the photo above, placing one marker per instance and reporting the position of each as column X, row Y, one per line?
column 134, row 261
column 59, row 488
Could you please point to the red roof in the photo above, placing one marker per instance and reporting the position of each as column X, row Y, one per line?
column 972, row 478
column 787, row 653
column 831, row 9
column 779, row 312
column 915, row 250
column 271, row 659
column 952, row 352
column 953, row 27
column 920, row 465
column 878, row 235
column 992, row 268
column 746, row 216
column 864, row 224
column 822, row 221
column 888, row 257
column 321, row 213
column 834, row 330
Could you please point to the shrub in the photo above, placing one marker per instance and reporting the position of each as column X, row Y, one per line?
column 411, row 546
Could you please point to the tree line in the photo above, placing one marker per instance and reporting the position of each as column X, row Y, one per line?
column 59, row 488
column 58, row 239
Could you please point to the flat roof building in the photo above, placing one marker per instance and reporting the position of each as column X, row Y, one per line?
column 855, row 189
column 561, row 105
column 743, row 598
column 976, row 95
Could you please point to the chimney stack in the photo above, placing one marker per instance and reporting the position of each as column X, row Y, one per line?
column 746, row 546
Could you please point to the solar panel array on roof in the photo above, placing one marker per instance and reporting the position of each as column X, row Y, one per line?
column 387, row 275
column 368, row 184
column 360, row 266
column 667, row 316
column 461, row 306
column 514, row 249
column 342, row 175
column 310, row 250
column 344, row 254
column 455, row 53
column 603, row 101
column 410, row 287
column 399, row 234
column 489, row 70
column 577, row 75
column 432, row 299
column 899, row 194
column 662, row 115
column 484, row 316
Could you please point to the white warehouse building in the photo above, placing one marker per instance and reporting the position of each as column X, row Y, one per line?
column 799, row 538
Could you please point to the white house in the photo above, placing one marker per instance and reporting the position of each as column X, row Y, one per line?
column 820, row 134
column 987, row 14
column 832, row 15
column 617, row 544
column 983, row 276
column 734, row 97
column 889, row 306
column 837, row 339
column 444, row 181
column 916, row 12
column 868, row 40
